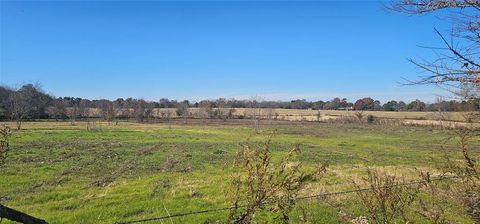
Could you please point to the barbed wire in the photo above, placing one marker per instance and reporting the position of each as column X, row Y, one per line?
column 319, row 196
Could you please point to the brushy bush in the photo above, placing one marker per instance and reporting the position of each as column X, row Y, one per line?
column 387, row 198
column 431, row 208
column 5, row 133
column 263, row 184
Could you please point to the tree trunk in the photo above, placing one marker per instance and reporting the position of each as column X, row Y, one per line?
column 19, row 124
column 17, row 216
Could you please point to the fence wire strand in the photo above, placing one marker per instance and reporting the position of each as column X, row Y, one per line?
column 318, row 196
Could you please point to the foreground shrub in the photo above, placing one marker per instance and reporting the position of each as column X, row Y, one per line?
column 263, row 184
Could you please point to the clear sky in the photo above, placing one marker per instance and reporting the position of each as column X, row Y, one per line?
column 314, row 50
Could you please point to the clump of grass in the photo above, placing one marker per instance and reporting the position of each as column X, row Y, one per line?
column 102, row 181
column 219, row 152
column 178, row 163
column 193, row 193
column 170, row 164
column 160, row 185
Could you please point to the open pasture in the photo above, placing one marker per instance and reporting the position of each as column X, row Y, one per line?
column 66, row 174
column 304, row 114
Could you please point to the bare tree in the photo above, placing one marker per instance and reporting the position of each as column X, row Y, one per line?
column 183, row 110
column 83, row 109
column 73, row 113
column 165, row 114
column 205, row 110
column 256, row 111
column 231, row 112
column 107, row 110
column 139, row 110
column 149, row 112
column 269, row 113
column 19, row 108
column 222, row 111
column 457, row 66
column 27, row 102
column 59, row 110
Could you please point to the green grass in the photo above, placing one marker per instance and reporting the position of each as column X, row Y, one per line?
column 65, row 174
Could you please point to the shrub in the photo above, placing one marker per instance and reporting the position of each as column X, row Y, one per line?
column 5, row 133
column 432, row 208
column 265, row 183
column 387, row 198
column 370, row 118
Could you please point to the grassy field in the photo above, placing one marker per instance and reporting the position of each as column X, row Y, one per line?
column 312, row 115
column 66, row 174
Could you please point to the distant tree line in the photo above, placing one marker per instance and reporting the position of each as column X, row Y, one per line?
column 31, row 102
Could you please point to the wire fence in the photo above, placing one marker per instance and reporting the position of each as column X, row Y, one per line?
column 318, row 196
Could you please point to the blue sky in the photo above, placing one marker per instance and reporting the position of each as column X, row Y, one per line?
column 314, row 50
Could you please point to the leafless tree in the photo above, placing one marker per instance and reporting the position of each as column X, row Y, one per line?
column 73, row 113
column 83, row 109
column 60, row 110
column 19, row 107
column 269, row 113
column 231, row 113
column 183, row 110
column 149, row 112
column 456, row 67
column 221, row 112
column 107, row 111
column 204, row 110
column 256, row 111
column 165, row 114
column 29, row 101
column 139, row 110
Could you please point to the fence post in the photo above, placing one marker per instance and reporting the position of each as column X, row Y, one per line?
column 17, row 216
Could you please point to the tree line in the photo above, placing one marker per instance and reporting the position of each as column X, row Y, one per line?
column 31, row 102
